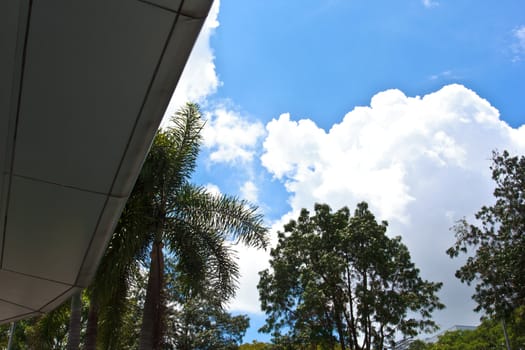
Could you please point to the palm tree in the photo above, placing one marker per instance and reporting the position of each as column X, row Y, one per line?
column 190, row 223
column 173, row 219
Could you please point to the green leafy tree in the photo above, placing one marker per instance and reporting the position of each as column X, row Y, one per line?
column 19, row 338
column 255, row 345
column 196, row 318
column 45, row 332
column 49, row 331
column 418, row 345
column 461, row 340
column 200, row 325
column 497, row 242
column 488, row 335
column 338, row 279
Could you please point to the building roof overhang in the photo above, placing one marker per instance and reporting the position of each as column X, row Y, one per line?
column 83, row 88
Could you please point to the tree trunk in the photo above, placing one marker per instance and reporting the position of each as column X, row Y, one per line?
column 339, row 326
column 507, row 342
column 152, row 318
column 92, row 324
column 11, row 336
column 73, row 341
column 351, row 323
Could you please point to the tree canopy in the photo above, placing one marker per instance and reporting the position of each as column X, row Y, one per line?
column 488, row 335
column 197, row 319
column 339, row 279
column 496, row 242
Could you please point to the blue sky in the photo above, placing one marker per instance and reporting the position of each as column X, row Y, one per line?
column 398, row 103
column 318, row 59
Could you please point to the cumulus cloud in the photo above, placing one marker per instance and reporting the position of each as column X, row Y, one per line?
column 376, row 153
column 421, row 162
column 199, row 78
column 230, row 137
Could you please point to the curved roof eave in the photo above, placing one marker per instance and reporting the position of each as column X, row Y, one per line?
column 83, row 88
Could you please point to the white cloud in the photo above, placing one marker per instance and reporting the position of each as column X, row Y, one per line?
column 230, row 137
column 199, row 78
column 375, row 152
column 249, row 191
column 251, row 261
column 430, row 3
column 420, row 162
column 213, row 189
column 519, row 43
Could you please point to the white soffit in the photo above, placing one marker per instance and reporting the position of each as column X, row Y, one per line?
column 83, row 88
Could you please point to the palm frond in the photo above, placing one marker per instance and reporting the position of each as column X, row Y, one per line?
column 111, row 314
column 128, row 245
column 227, row 216
column 115, row 274
column 184, row 141
column 203, row 257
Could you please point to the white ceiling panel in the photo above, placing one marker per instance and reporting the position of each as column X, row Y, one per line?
column 4, row 182
column 191, row 8
column 83, row 88
column 9, row 66
column 101, row 235
column 89, row 81
column 59, row 300
column 10, row 311
column 28, row 291
column 48, row 229
column 12, row 19
column 171, row 68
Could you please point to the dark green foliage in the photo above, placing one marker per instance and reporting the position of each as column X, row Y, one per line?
column 196, row 318
column 338, row 279
column 466, row 340
column 255, row 345
column 418, row 345
column 497, row 242
column 50, row 331
column 20, row 337
column 201, row 325
column 46, row 332
column 488, row 335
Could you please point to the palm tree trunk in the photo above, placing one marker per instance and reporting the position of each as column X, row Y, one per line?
column 151, row 331
column 73, row 341
column 92, row 324
column 11, row 336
